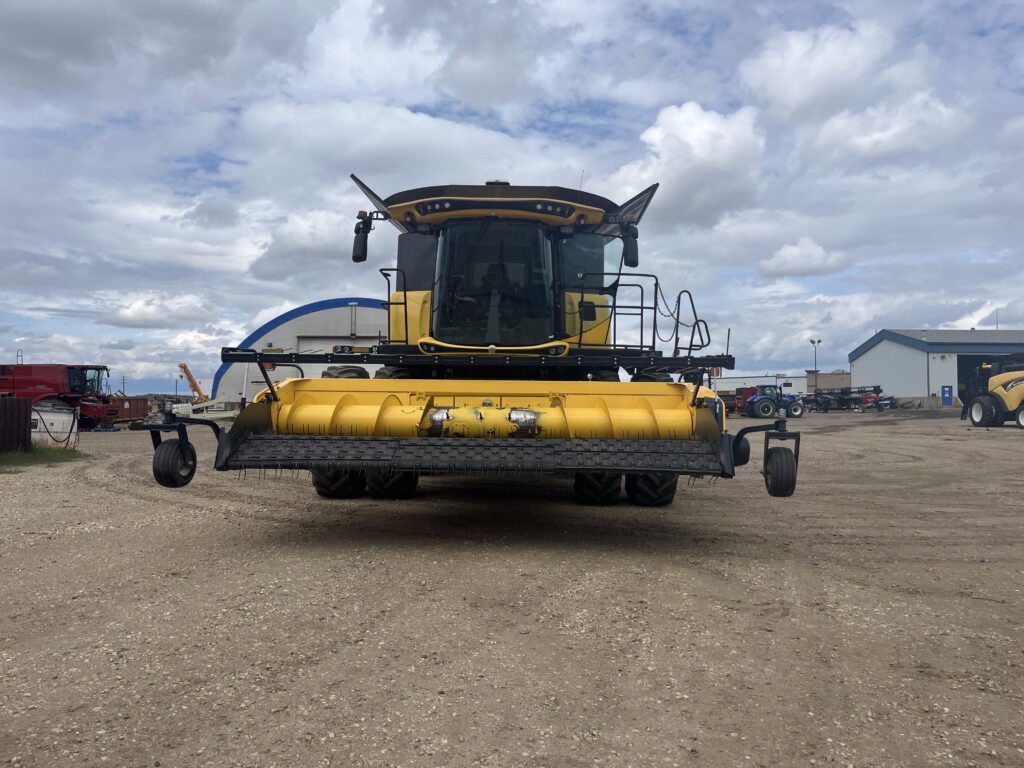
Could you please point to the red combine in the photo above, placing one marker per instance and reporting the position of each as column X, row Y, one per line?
column 73, row 386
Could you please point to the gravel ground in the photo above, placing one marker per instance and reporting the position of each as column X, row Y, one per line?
column 874, row 619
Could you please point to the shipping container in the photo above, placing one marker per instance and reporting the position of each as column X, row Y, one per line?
column 131, row 408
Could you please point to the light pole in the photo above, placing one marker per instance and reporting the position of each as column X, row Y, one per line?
column 815, row 343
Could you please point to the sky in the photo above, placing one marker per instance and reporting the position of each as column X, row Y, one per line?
column 176, row 173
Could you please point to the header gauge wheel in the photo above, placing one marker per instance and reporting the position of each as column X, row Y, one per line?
column 780, row 472
column 174, row 463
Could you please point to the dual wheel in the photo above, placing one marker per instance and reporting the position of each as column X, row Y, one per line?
column 766, row 409
column 351, row 484
column 984, row 413
column 650, row 489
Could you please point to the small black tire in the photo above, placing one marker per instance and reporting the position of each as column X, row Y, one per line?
column 983, row 411
column 339, row 483
column 1020, row 417
column 652, row 489
column 345, row 372
column 604, row 376
column 597, row 488
column 389, row 484
column 653, row 376
column 795, row 409
column 780, row 472
column 765, row 409
column 391, row 372
column 740, row 452
column 174, row 463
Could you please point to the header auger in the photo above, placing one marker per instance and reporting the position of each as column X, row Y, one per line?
column 510, row 318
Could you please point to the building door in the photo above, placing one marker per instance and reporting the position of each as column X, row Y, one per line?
column 947, row 395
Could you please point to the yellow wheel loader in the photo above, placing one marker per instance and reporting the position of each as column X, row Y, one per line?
column 515, row 313
column 995, row 393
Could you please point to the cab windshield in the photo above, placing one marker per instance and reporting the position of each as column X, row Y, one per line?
column 86, row 381
column 495, row 284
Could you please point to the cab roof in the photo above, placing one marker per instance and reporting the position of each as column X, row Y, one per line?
column 556, row 206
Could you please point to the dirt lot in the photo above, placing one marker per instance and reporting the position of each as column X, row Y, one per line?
column 875, row 619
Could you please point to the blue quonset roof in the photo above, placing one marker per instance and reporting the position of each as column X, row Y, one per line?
column 291, row 314
column 933, row 340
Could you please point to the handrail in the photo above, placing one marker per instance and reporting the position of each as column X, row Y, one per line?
column 405, row 297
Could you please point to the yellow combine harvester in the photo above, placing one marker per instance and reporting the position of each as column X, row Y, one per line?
column 507, row 313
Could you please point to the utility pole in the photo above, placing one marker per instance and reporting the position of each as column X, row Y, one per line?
column 815, row 345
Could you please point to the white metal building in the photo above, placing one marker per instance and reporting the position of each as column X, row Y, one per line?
column 789, row 384
column 315, row 327
column 927, row 363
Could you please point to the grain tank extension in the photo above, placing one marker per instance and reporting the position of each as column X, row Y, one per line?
column 522, row 339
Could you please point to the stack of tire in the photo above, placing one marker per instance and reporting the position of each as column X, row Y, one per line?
column 15, row 424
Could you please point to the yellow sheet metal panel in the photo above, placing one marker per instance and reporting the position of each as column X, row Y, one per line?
column 595, row 332
column 1012, row 397
column 418, row 303
column 500, row 409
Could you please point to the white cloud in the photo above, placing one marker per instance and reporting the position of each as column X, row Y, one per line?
column 708, row 164
column 912, row 128
column 802, row 73
column 152, row 310
column 803, row 258
column 187, row 166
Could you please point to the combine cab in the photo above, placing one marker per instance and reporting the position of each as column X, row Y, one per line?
column 63, row 386
column 512, row 312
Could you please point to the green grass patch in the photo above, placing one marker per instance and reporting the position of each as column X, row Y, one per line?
column 40, row 454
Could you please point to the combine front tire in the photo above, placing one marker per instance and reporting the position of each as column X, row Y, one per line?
column 652, row 489
column 339, row 483
column 174, row 463
column 345, row 372
column 597, row 488
column 983, row 411
column 1020, row 417
column 389, row 484
column 780, row 472
column 390, row 372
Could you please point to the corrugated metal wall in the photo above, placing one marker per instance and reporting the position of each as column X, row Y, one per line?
column 899, row 370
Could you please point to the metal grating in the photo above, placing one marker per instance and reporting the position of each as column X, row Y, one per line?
column 474, row 454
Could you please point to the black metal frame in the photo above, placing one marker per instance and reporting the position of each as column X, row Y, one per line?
column 774, row 431
column 411, row 356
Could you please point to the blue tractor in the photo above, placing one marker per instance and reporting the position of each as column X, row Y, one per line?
column 770, row 400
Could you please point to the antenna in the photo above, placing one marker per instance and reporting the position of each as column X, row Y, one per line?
column 581, row 178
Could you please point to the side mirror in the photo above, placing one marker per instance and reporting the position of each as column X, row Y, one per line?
column 359, row 244
column 588, row 311
column 630, row 252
